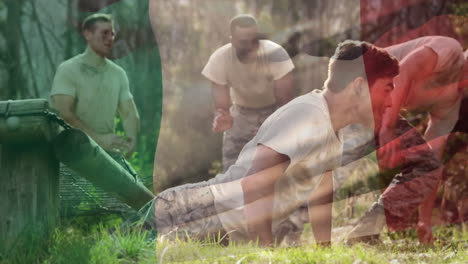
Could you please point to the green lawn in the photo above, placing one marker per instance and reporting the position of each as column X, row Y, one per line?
column 399, row 248
column 109, row 240
column 95, row 239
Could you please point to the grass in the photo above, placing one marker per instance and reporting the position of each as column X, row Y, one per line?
column 98, row 240
column 104, row 243
column 395, row 248
column 109, row 239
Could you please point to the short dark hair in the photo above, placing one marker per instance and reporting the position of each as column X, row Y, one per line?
column 89, row 23
column 243, row 20
column 346, row 64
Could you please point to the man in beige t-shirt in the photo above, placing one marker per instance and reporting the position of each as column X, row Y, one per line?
column 250, row 79
column 89, row 89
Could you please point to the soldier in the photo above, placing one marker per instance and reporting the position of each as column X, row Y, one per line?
column 254, row 76
column 431, row 69
column 89, row 89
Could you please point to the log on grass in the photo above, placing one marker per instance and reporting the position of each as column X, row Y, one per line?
column 79, row 152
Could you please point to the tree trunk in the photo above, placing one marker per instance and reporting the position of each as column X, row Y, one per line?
column 16, row 86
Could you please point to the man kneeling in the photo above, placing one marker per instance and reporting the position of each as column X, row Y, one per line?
column 290, row 161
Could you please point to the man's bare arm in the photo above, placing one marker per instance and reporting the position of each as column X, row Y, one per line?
column 284, row 89
column 222, row 101
column 418, row 65
column 65, row 104
column 221, row 96
column 131, row 123
column 320, row 210
column 258, row 189
column 441, row 123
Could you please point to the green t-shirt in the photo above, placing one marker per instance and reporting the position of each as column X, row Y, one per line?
column 98, row 86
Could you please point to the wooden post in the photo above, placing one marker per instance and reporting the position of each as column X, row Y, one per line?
column 28, row 173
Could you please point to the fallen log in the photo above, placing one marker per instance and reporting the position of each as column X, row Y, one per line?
column 79, row 152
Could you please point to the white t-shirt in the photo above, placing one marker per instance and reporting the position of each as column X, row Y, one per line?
column 445, row 75
column 251, row 84
column 449, row 51
column 301, row 130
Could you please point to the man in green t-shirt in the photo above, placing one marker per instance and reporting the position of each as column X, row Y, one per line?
column 89, row 89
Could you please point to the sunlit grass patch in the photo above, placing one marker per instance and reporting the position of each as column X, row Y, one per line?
column 395, row 248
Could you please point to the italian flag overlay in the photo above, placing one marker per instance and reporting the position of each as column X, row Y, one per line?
column 402, row 168
column 185, row 33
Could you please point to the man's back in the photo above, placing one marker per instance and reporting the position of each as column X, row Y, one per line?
column 438, row 87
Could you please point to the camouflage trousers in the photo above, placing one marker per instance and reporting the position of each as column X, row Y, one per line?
column 247, row 121
column 188, row 211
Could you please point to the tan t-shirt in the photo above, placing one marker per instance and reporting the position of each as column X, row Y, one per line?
column 98, row 86
column 301, row 130
column 251, row 84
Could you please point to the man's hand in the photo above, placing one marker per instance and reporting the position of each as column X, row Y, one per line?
column 425, row 233
column 222, row 101
column 112, row 142
column 131, row 123
column 222, row 120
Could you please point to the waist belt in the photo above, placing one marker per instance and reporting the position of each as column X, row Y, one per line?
column 270, row 108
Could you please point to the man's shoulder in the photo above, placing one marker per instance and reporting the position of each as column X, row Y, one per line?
column 273, row 51
column 266, row 43
column 223, row 50
column 70, row 64
column 313, row 99
column 311, row 104
column 434, row 42
column 115, row 67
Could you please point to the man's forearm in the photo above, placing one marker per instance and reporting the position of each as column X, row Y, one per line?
column 131, row 124
column 437, row 134
column 131, row 121
column 259, row 219
column 320, row 210
column 258, row 203
column 76, row 122
column 258, row 192
column 221, row 96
